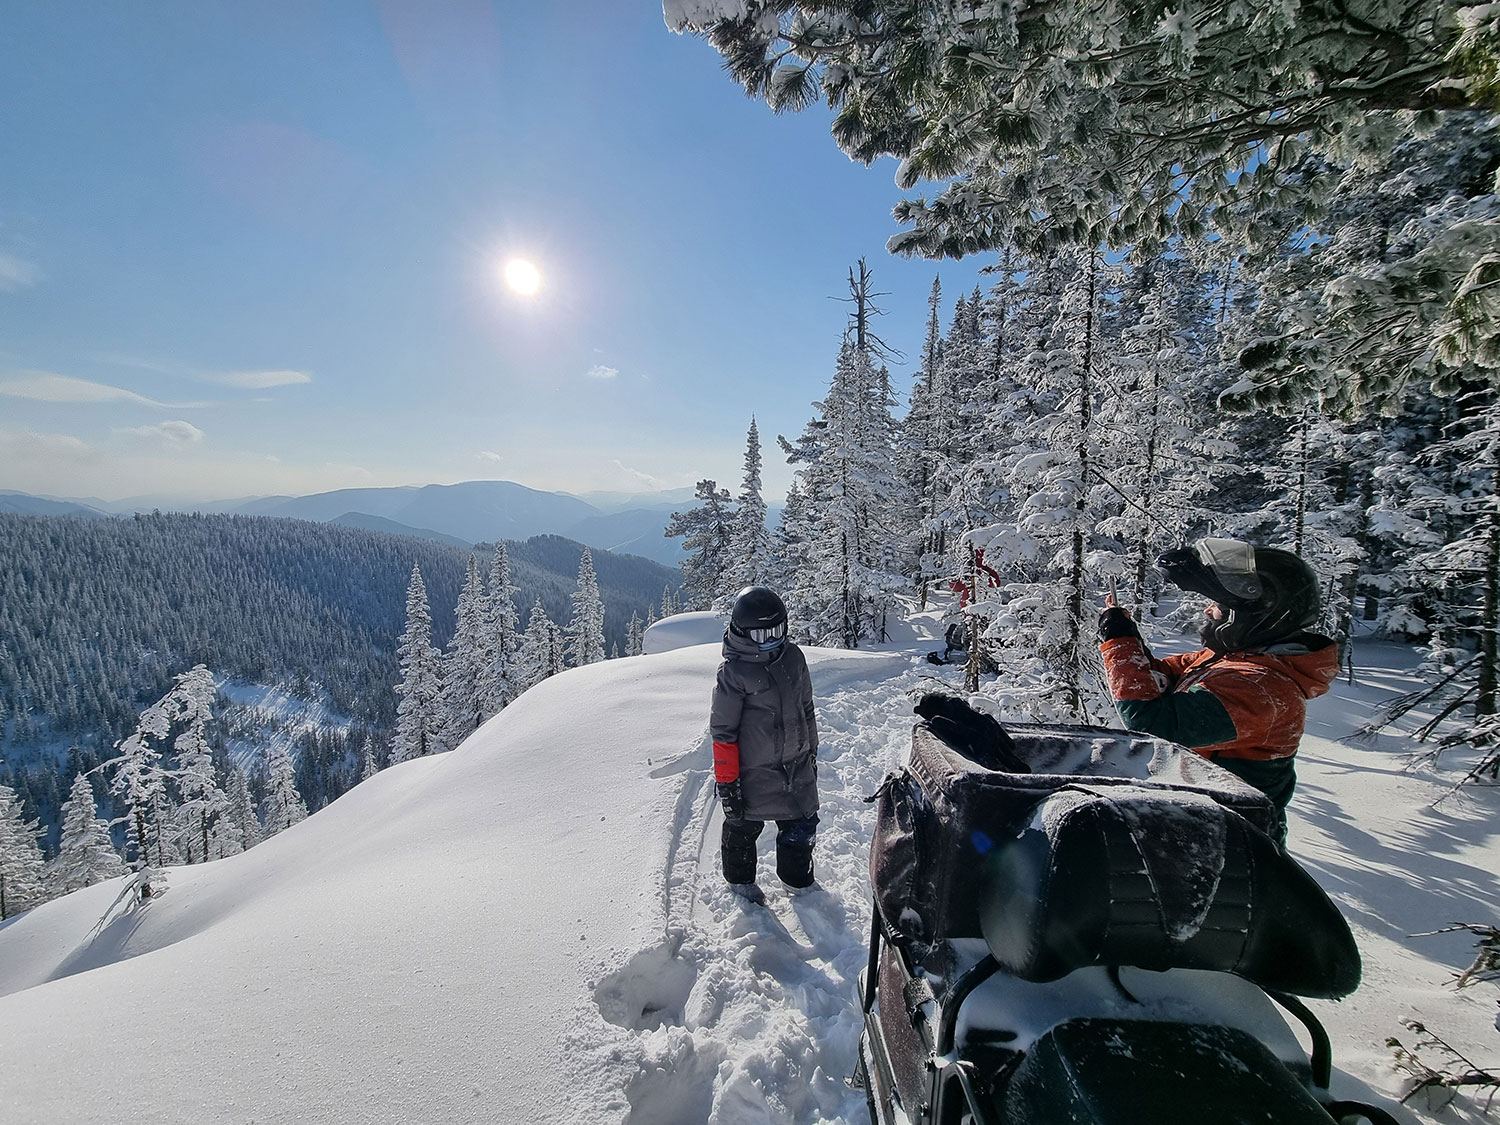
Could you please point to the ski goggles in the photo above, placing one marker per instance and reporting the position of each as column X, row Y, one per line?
column 771, row 635
column 1221, row 569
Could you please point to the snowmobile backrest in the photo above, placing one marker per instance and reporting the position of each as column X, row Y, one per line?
column 938, row 818
column 1129, row 875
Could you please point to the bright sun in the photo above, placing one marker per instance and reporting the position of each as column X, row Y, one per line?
column 522, row 277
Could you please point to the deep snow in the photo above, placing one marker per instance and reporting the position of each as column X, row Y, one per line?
column 533, row 927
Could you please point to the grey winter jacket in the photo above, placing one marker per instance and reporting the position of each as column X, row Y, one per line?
column 763, row 701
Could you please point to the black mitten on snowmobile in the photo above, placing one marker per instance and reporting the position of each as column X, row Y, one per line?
column 973, row 733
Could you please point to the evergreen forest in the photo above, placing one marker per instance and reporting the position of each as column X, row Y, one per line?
column 98, row 618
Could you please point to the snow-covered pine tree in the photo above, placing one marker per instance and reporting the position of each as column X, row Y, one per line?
column 367, row 766
column 790, row 554
column 241, row 824
column 635, row 635
column 21, row 885
column 669, row 605
column 1122, row 126
column 140, row 785
column 85, row 855
column 283, row 806
column 749, row 562
column 503, row 633
column 418, row 719
column 465, row 698
column 1314, row 512
column 557, row 649
column 1161, row 452
column 1046, row 552
column 707, row 533
column 202, row 801
column 585, row 632
column 921, row 438
column 854, row 495
column 535, row 657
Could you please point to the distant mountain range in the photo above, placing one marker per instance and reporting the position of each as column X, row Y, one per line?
column 461, row 514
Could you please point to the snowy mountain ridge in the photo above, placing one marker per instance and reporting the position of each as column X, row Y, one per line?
column 533, row 927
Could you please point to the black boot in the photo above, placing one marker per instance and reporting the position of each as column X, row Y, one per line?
column 794, row 865
column 738, row 850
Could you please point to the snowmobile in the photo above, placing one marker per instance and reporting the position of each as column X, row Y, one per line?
column 1086, row 926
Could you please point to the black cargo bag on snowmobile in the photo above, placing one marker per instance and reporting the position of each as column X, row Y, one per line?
column 1078, row 850
column 1134, row 839
column 939, row 818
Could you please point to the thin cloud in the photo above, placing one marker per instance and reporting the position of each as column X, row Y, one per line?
column 16, row 274
column 654, row 484
column 599, row 371
column 46, row 387
column 26, row 445
column 260, row 380
column 256, row 380
column 173, row 433
column 490, row 455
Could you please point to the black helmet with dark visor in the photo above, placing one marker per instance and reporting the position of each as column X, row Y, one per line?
column 759, row 615
column 1269, row 595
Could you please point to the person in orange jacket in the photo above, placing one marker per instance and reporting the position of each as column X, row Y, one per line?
column 1241, row 700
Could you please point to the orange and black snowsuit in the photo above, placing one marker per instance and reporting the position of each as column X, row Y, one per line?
column 1245, row 710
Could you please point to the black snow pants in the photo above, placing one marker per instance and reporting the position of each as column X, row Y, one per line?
column 794, row 848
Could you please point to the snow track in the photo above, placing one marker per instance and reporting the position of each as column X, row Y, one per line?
column 749, row 1013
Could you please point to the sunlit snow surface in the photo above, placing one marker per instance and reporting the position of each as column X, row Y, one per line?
column 533, row 928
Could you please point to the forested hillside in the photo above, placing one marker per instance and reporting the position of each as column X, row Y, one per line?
column 97, row 616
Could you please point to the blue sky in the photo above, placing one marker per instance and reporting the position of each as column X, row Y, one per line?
column 249, row 249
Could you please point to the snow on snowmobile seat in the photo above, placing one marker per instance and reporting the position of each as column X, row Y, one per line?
column 1124, row 1072
column 1125, row 875
column 954, row 803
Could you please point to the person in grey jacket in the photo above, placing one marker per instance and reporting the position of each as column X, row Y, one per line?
column 765, row 738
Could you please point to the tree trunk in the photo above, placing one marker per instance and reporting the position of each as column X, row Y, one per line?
column 1080, row 502
column 972, row 624
column 1489, row 675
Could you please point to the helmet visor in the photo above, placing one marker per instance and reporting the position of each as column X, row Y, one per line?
column 1221, row 569
column 1233, row 564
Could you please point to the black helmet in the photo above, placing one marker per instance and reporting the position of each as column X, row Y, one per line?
column 1268, row 594
column 759, row 616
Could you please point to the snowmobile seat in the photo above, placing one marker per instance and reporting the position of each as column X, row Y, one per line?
column 1128, row 875
column 1123, row 1072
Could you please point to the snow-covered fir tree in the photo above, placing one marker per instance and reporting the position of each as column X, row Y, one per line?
column 707, row 533
column 536, row 656
column 241, row 823
column 21, row 885
column 85, row 854
column 1160, row 455
column 635, row 635
column 202, row 801
column 502, row 633
column 367, row 765
column 585, row 631
column 283, row 805
column 418, row 715
column 749, row 562
column 853, row 496
column 669, row 602
column 140, row 786
column 466, row 690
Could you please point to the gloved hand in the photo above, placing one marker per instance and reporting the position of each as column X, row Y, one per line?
column 1116, row 622
column 732, row 797
column 974, row 733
